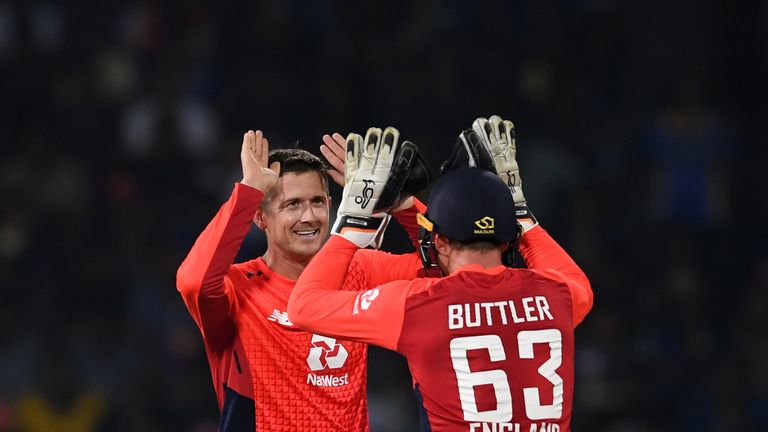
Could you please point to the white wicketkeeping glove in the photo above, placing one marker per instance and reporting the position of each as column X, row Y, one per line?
column 366, row 170
column 498, row 136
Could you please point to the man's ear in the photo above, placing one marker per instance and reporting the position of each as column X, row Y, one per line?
column 259, row 219
column 503, row 247
column 441, row 244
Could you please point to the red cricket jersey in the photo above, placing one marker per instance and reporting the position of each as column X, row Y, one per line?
column 298, row 381
column 488, row 349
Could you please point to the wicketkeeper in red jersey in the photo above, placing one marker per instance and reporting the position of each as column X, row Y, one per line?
column 490, row 348
column 269, row 375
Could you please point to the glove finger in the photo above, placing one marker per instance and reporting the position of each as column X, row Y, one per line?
column 459, row 156
column 419, row 175
column 481, row 153
column 396, row 176
column 352, row 159
column 482, row 128
column 389, row 144
column 407, row 153
column 370, row 150
column 468, row 139
column 498, row 138
column 509, row 128
column 506, row 152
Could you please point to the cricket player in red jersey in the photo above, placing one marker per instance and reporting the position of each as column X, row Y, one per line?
column 490, row 348
column 268, row 374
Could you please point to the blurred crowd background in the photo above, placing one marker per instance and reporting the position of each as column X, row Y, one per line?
column 639, row 137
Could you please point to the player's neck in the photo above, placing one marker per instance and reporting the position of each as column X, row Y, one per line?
column 289, row 267
column 486, row 259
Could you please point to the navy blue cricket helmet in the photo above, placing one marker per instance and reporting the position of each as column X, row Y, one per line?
column 467, row 205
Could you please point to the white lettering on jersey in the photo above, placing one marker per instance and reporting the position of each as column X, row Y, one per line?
column 479, row 314
column 327, row 380
column 280, row 318
column 513, row 427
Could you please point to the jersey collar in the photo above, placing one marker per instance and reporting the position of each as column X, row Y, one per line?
column 275, row 279
column 480, row 269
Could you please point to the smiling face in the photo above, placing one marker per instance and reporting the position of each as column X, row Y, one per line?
column 295, row 218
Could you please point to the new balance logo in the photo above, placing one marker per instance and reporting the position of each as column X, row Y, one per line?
column 326, row 353
column 280, row 318
column 365, row 197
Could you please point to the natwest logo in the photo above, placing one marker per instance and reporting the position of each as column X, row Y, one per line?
column 363, row 300
column 326, row 353
column 327, row 380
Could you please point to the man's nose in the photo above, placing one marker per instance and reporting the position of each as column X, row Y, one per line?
column 308, row 213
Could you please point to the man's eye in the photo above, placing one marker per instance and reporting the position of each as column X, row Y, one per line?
column 292, row 204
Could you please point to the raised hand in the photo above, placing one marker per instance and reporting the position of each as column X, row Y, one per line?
column 498, row 136
column 254, row 157
column 333, row 148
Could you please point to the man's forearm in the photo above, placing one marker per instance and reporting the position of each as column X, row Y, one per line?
column 326, row 272
column 201, row 277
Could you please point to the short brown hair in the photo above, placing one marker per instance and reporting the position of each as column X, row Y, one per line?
column 298, row 161
column 474, row 244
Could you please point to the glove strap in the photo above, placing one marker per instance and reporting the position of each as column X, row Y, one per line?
column 363, row 231
column 525, row 218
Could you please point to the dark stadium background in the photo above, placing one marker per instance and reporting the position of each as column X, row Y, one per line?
column 641, row 141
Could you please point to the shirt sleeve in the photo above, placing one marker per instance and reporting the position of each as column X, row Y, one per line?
column 542, row 253
column 202, row 277
column 407, row 219
column 382, row 267
column 318, row 305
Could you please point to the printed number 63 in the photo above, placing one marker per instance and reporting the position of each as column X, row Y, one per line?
column 467, row 379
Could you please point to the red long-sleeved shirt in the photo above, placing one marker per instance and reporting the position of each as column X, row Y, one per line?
column 296, row 380
column 484, row 345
